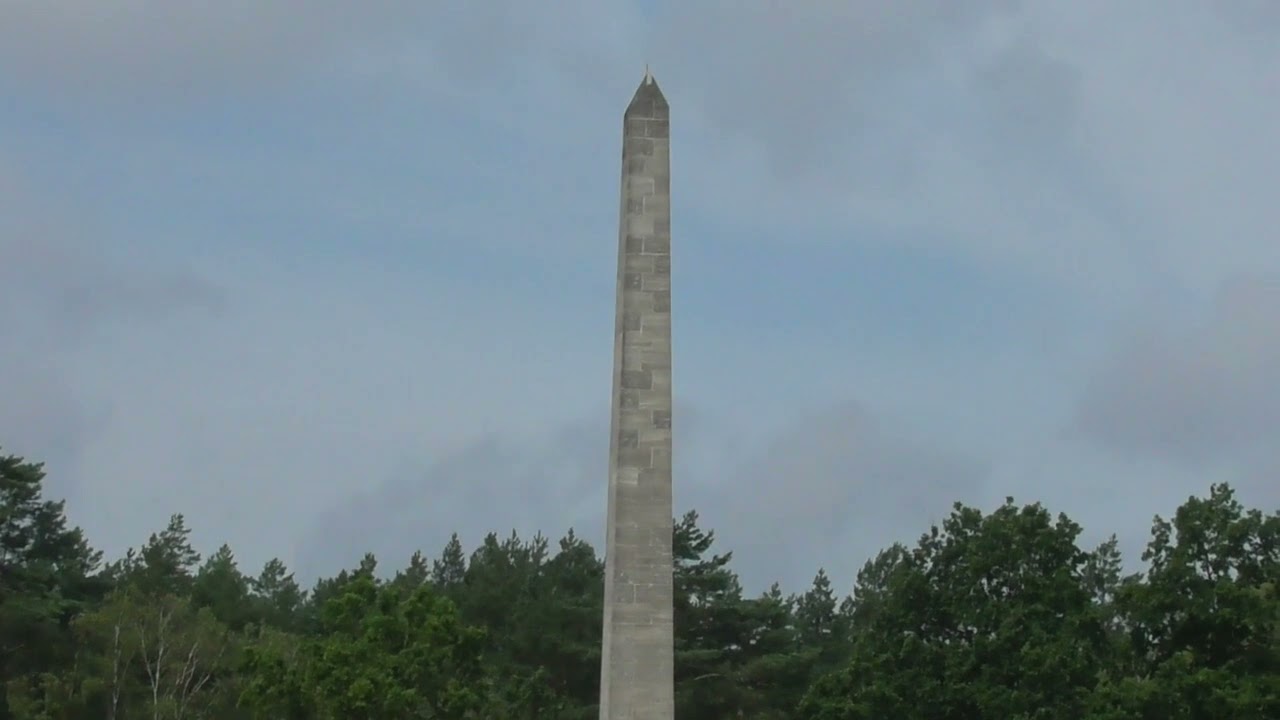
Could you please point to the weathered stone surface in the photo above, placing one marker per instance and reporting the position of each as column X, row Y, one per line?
column 637, row 379
column 657, row 245
column 637, row 662
column 661, row 301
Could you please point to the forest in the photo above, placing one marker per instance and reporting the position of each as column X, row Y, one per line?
column 998, row 615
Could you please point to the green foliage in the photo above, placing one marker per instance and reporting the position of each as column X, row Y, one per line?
column 1204, row 621
column 735, row 656
column 990, row 615
column 46, row 579
column 221, row 587
column 275, row 599
column 1002, row 615
column 382, row 653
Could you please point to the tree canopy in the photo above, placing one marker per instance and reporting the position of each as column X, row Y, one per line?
column 998, row 614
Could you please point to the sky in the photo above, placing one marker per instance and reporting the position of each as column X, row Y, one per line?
column 342, row 280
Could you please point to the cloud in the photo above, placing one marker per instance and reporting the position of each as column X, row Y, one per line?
column 800, row 79
column 547, row 483
column 58, row 289
column 548, row 480
column 55, row 267
column 1029, row 136
column 1203, row 392
column 303, row 391
column 832, row 488
column 1089, row 144
column 1178, row 399
column 260, row 261
column 141, row 45
column 41, row 418
column 152, row 53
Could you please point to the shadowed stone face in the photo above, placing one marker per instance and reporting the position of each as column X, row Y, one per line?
column 637, row 663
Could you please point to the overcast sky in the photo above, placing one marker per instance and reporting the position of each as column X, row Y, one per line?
column 335, row 276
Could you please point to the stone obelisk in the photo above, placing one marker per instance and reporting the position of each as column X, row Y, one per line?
column 637, row 662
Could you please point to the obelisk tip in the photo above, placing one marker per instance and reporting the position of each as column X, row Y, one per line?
column 648, row 98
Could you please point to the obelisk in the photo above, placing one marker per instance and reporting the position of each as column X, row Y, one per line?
column 637, row 662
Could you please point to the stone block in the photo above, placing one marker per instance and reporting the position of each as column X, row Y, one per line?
column 662, row 301
column 654, row 360
column 642, row 146
column 656, row 245
column 653, row 281
column 634, row 458
column 657, row 128
column 638, row 263
column 661, row 459
column 637, row 380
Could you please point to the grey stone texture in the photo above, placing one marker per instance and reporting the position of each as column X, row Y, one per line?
column 637, row 662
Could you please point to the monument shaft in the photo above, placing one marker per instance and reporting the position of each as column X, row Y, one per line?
column 637, row 662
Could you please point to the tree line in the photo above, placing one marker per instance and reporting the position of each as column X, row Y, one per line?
column 997, row 615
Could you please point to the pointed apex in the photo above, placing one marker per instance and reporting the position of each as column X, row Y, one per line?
column 648, row 100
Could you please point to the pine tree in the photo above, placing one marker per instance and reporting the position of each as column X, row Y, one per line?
column 220, row 586
column 417, row 574
column 276, row 596
column 449, row 572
